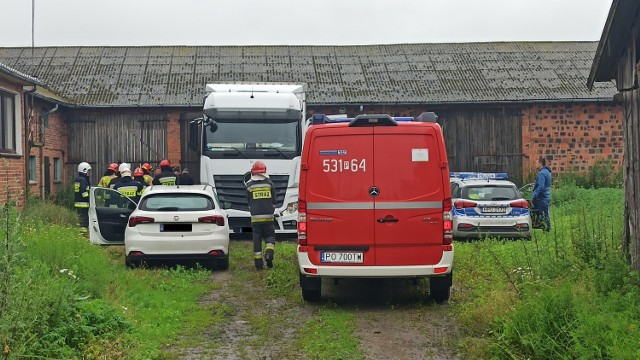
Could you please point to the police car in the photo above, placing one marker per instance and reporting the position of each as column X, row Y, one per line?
column 488, row 205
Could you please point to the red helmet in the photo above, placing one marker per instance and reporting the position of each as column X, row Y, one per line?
column 164, row 163
column 258, row 168
column 138, row 172
column 113, row 167
column 147, row 166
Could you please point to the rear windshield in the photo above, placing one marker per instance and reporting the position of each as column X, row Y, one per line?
column 490, row 192
column 176, row 202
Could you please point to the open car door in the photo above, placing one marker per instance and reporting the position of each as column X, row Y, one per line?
column 109, row 213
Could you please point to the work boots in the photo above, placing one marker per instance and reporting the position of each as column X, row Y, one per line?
column 268, row 255
column 258, row 263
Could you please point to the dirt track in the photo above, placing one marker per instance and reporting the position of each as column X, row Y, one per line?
column 395, row 319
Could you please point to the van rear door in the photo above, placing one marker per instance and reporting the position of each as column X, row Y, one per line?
column 339, row 173
column 408, row 210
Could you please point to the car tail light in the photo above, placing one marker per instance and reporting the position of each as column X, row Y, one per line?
column 216, row 252
column 520, row 204
column 440, row 270
column 302, row 223
column 310, row 270
column 462, row 204
column 136, row 253
column 447, row 225
column 216, row 219
column 135, row 220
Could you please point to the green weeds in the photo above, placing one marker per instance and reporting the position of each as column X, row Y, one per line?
column 567, row 294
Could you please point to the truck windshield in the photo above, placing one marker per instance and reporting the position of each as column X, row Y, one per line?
column 253, row 139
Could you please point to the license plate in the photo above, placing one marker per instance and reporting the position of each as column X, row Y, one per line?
column 494, row 209
column 342, row 257
column 175, row 227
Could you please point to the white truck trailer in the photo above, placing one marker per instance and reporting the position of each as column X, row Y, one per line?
column 244, row 123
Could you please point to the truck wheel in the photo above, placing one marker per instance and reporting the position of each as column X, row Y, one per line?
column 311, row 288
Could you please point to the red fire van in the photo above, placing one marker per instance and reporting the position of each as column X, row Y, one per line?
column 375, row 201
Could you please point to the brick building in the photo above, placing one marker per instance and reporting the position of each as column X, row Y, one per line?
column 501, row 105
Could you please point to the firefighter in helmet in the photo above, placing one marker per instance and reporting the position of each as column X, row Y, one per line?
column 128, row 187
column 262, row 201
column 81, row 187
column 146, row 168
column 108, row 175
column 138, row 175
column 166, row 176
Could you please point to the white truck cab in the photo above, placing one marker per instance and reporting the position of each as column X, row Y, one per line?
column 244, row 123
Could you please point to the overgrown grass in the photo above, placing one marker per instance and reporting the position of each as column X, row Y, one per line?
column 63, row 297
column 567, row 294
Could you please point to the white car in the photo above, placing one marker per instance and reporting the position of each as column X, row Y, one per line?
column 170, row 223
column 488, row 205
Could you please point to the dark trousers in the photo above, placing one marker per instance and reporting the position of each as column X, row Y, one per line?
column 262, row 231
column 542, row 207
column 83, row 213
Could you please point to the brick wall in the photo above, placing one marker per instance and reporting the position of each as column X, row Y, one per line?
column 572, row 136
column 55, row 145
column 12, row 166
column 173, row 138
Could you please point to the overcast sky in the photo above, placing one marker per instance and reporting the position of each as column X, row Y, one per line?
column 297, row 22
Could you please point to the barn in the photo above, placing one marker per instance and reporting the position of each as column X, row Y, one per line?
column 501, row 105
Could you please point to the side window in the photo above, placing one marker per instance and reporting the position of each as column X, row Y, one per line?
column 455, row 190
column 108, row 198
column 57, row 169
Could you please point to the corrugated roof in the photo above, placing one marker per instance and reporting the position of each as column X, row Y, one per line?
column 403, row 73
column 19, row 75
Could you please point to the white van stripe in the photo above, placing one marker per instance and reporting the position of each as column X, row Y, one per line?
column 409, row 205
column 371, row 206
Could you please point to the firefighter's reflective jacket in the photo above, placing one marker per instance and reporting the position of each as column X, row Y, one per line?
column 165, row 178
column 81, row 186
column 262, row 199
column 130, row 188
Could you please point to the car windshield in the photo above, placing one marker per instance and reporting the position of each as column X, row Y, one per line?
column 278, row 139
column 490, row 192
column 176, row 202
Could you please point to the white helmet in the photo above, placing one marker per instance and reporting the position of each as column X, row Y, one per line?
column 84, row 167
column 123, row 167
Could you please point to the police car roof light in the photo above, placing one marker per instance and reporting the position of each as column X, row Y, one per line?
column 479, row 175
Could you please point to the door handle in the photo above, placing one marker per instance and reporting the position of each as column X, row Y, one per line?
column 387, row 219
column 123, row 216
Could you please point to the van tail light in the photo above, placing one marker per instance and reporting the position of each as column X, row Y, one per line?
column 447, row 225
column 462, row 204
column 135, row 220
column 302, row 222
column 216, row 219
column 520, row 204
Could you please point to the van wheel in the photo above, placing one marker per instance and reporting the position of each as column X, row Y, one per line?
column 311, row 288
column 440, row 288
column 440, row 295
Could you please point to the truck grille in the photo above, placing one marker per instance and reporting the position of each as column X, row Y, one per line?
column 231, row 188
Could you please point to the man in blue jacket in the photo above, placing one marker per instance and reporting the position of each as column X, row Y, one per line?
column 541, row 195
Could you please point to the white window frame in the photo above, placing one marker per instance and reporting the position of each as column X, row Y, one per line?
column 33, row 169
column 57, row 169
column 17, row 123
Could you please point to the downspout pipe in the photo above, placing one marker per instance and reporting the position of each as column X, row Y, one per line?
column 42, row 167
column 28, row 108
